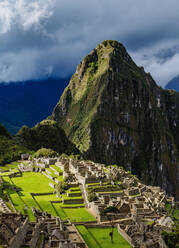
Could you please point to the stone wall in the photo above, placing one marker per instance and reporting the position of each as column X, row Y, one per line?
column 39, row 194
column 71, row 194
column 47, row 175
column 124, row 235
column 72, row 201
column 83, row 244
column 35, row 235
column 18, row 239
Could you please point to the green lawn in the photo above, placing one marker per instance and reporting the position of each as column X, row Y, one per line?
column 59, row 211
column 71, row 189
column 90, row 241
column 44, row 203
column 8, row 172
column 30, row 182
column 71, row 198
column 33, row 182
column 13, row 165
column 21, row 201
column 56, row 168
column 99, row 238
column 78, row 214
column 51, row 172
column 3, row 168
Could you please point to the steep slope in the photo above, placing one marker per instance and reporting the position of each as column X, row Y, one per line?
column 10, row 149
column 115, row 113
column 173, row 84
column 46, row 134
column 27, row 103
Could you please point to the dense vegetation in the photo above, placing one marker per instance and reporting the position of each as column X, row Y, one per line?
column 10, row 149
column 44, row 152
column 46, row 134
column 172, row 238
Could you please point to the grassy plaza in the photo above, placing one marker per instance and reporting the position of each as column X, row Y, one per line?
column 99, row 237
column 36, row 183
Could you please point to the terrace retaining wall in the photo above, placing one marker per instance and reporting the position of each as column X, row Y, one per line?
column 73, row 206
column 124, row 235
column 72, row 201
column 40, row 194
column 18, row 239
column 57, row 172
column 35, row 235
column 84, row 243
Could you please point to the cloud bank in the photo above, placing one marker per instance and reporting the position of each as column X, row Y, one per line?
column 50, row 37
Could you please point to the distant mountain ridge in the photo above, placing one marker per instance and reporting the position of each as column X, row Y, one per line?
column 27, row 103
column 173, row 84
column 115, row 113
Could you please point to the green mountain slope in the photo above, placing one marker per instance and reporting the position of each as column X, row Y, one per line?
column 115, row 113
column 10, row 149
column 46, row 134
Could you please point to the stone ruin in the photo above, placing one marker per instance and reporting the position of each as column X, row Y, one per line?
column 136, row 204
column 16, row 231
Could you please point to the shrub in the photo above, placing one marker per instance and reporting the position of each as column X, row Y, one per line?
column 110, row 209
column 171, row 238
column 46, row 134
column 92, row 197
column 61, row 187
column 10, row 150
column 44, row 152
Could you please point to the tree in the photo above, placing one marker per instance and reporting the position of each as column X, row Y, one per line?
column 61, row 187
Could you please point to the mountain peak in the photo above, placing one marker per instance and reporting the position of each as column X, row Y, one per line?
column 108, row 110
column 109, row 57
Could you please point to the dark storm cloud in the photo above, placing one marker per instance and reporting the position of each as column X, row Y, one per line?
column 47, row 37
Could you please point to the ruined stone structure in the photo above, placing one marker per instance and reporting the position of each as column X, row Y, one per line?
column 138, row 210
column 16, row 231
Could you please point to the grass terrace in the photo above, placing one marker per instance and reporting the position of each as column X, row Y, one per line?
column 9, row 168
column 31, row 183
column 56, row 168
column 99, row 237
column 8, row 173
column 52, row 174
column 78, row 214
column 44, row 203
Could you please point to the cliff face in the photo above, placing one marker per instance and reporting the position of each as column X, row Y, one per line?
column 115, row 113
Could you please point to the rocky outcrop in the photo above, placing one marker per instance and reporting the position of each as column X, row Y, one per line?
column 115, row 113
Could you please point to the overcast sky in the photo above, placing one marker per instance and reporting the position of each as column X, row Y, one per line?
column 40, row 38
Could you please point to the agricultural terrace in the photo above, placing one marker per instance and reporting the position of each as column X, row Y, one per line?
column 23, row 195
column 100, row 238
